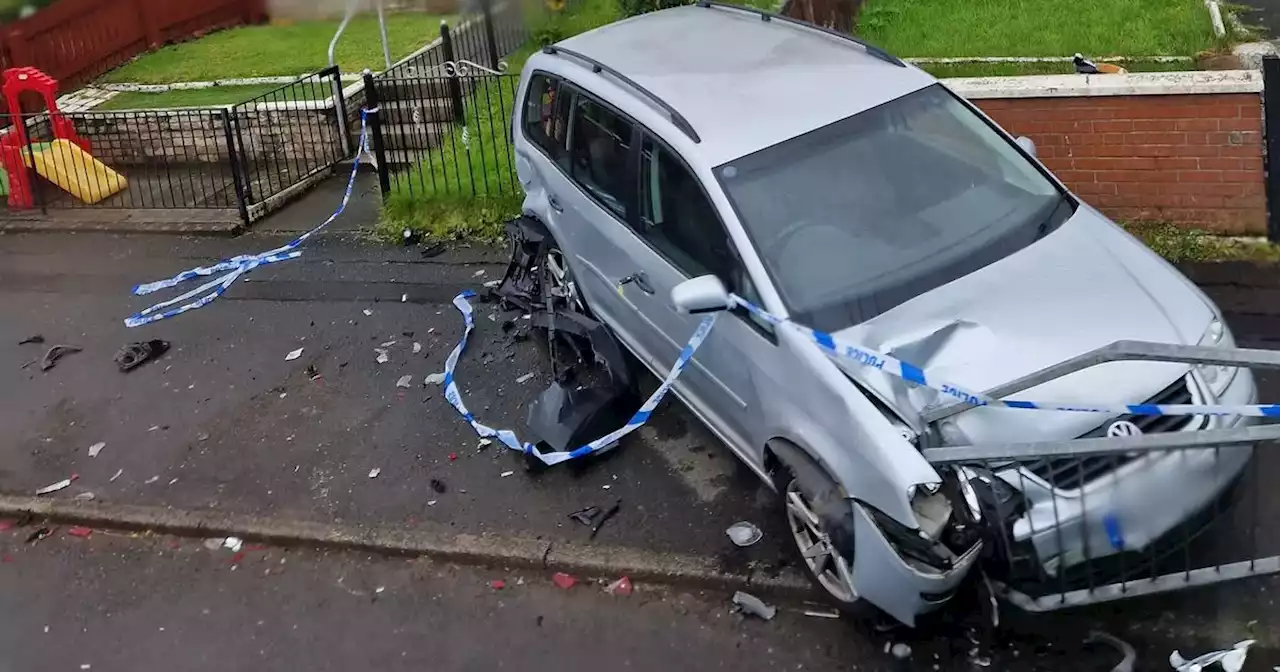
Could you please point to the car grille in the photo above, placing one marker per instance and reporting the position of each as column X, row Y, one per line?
column 1070, row 473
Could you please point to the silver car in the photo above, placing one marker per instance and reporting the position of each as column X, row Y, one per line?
column 681, row 156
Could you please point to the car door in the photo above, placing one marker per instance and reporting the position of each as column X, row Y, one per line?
column 681, row 237
column 580, row 183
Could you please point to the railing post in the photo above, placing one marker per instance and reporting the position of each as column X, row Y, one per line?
column 374, row 122
column 455, row 87
column 487, row 7
column 233, row 156
column 340, row 109
column 1271, row 117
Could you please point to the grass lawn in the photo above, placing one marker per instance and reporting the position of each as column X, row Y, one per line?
column 218, row 95
column 1038, row 27
column 274, row 50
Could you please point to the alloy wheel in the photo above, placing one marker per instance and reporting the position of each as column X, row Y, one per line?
column 826, row 563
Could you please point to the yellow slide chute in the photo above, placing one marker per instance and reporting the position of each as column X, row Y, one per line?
column 65, row 164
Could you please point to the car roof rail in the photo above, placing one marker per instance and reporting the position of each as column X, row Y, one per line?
column 677, row 119
column 769, row 16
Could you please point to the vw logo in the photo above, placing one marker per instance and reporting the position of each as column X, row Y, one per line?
column 1123, row 428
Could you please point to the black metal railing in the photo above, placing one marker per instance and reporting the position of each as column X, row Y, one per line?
column 445, row 113
column 156, row 159
column 290, row 134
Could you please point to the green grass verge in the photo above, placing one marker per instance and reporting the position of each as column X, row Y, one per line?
column 1180, row 245
column 273, row 50
column 218, row 95
column 1038, row 27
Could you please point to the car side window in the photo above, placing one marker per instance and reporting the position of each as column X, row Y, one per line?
column 678, row 219
column 546, row 116
column 600, row 144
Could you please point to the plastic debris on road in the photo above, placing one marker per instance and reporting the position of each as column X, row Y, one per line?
column 586, row 516
column 754, row 606
column 56, row 353
column 1231, row 660
column 151, row 480
column 525, row 378
column 373, row 473
column 434, row 379
column 84, row 497
column 133, row 355
column 563, row 580
column 417, row 347
column 293, row 355
column 478, row 273
column 620, row 588
column 96, row 448
column 387, row 344
column 744, row 534
column 605, row 517
column 484, row 443
column 60, row 485
column 405, row 381
column 40, row 535
column 492, row 283
column 79, row 531
column 504, row 474
column 404, row 298
column 233, row 543
column 900, row 651
column 383, row 357
column 367, row 312
column 498, row 585
column 1128, row 655
column 118, row 474
column 829, row 613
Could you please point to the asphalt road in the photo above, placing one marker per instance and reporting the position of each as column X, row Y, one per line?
column 112, row 603
column 243, row 430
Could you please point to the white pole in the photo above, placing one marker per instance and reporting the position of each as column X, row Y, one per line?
column 333, row 44
column 1215, row 15
column 382, row 26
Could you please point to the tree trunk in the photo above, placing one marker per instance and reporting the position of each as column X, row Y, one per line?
column 838, row 15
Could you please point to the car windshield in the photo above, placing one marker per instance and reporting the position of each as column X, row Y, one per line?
column 864, row 214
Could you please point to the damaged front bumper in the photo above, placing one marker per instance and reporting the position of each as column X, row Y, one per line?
column 901, row 586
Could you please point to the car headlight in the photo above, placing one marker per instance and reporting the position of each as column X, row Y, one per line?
column 1218, row 378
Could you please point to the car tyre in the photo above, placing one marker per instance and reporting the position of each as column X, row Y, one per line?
column 820, row 519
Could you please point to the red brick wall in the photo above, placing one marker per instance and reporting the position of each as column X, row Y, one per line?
column 1189, row 159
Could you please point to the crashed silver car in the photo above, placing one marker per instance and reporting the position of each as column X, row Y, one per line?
column 673, row 160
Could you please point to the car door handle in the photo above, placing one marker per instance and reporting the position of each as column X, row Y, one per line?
column 554, row 203
column 640, row 280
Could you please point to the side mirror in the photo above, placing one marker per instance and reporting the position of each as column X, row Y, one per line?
column 1027, row 144
column 700, row 295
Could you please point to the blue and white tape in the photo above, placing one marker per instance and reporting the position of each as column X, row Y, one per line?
column 509, row 439
column 237, row 266
column 914, row 374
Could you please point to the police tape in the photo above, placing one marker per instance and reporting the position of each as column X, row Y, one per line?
column 509, row 439
column 238, row 265
column 922, row 377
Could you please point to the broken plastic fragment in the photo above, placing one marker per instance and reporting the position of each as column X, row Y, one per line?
column 901, row 651
column 96, row 448
column 367, row 312
column 453, row 456
column 586, row 516
column 507, row 473
column 525, row 378
column 1232, row 660
column 417, row 347
column 621, row 587
column 83, row 497
column 743, row 533
column 79, row 531
column 405, row 381
column 383, row 357
column 498, row 585
column 830, row 613
column 435, row 379
column 118, row 474
column 484, row 443
column 388, row 344
column 151, row 480
column 563, row 580
column 293, row 355
column 66, row 483
column 373, row 473
column 233, row 543
column 750, row 604
column 404, row 298
column 492, row 283
column 478, row 273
